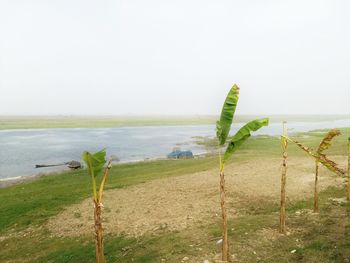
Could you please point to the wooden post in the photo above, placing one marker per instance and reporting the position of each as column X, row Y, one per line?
column 225, row 246
column 282, row 225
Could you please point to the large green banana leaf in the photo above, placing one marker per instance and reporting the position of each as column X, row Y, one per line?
column 326, row 142
column 243, row 134
column 95, row 162
column 223, row 125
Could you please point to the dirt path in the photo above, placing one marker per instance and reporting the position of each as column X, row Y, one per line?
column 179, row 202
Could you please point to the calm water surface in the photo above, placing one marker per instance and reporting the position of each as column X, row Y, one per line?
column 20, row 150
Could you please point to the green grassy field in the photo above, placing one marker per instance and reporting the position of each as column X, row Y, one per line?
column 35, row 122
column 26, row 207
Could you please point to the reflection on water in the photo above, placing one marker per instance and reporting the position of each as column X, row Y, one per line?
column 20, row 150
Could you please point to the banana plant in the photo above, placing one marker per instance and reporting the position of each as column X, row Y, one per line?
column 323, row 159
column 348, row 194
column 223, row 126
column 95, row 165
column 320, row 157
column 324, row 145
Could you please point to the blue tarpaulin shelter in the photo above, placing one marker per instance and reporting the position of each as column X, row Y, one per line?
column 178, row 154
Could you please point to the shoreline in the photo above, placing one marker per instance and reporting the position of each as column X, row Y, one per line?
column 10, row 181
column 7, row 182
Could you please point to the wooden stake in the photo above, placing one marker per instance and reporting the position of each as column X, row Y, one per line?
column 282, row 225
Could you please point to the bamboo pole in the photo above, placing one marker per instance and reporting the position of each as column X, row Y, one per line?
column 316, row 187
column 282, row 223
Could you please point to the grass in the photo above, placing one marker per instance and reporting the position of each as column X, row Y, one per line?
column 321, row 238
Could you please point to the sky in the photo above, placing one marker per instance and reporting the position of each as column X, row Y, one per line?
column 162, row 57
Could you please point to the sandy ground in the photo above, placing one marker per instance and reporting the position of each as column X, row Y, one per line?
column 179, row 202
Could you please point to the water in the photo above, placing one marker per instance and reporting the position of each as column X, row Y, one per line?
column 20, row 150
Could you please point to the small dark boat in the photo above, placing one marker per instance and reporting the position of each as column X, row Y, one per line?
column 72, row 165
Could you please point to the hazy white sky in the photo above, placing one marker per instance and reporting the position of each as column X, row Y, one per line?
column 174, row 57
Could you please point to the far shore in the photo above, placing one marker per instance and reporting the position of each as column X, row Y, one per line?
column 61, row 121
